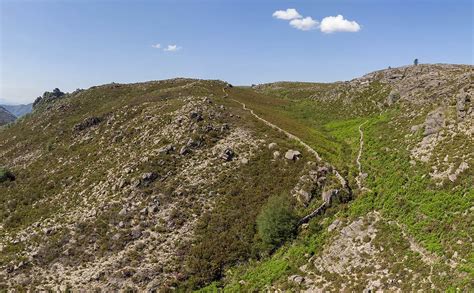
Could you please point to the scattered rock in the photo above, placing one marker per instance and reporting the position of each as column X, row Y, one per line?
column 136, row 233
column 296, row 279
column 334, row 225
column 88, row 122
column 122, row 183
column 322, row 171
column 184, row 150
column 227, row 155
column 152, row 209
column 329, row 195
column 272, row 145
column 415, row 128
column 462, row 167
column 303, row 196
column 123, row 212
column 244, row 161
column 148, row 177
column 276, row 154
column 48, row 231
column 224, row 127
column 166, row 149
column 196, row 116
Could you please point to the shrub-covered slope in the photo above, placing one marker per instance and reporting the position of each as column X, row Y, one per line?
column 177, row 184
column 146, row 186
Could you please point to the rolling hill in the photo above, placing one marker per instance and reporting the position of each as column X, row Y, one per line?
column 193, row 184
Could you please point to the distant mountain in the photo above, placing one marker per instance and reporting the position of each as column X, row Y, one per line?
column 18, row 110
column 5, row 116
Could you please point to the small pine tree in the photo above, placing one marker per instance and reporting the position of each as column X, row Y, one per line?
column 415, row 62
column 277, row 221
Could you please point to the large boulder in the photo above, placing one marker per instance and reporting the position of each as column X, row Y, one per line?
column 292, row 155
column 463, row 100
column 393, row 97
column 434, row 122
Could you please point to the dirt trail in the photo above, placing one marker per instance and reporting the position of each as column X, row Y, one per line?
column 359, row 177
column 291, row 136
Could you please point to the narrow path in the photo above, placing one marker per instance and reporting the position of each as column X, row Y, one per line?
column 359, row 155
column 291, row 136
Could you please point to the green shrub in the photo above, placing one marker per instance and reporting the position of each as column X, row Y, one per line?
column 277, row 221
column 5, row 175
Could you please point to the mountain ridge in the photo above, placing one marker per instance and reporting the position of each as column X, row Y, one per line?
column 19, row 110
column 5, row 116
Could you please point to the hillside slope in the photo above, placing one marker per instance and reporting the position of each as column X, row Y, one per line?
column 115, row 184
column 404, row 135
column 160, row 185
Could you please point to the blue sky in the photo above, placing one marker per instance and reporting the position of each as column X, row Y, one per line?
column 77, row 44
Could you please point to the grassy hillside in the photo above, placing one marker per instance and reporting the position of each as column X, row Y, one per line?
column 435, row 214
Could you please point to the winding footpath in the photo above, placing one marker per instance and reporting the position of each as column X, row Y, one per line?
column 359, row 155
column 426, row 256
column 291, row 136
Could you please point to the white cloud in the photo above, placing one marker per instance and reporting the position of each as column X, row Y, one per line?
column 333, row 24
column 172, row 48
column 329, row 24
column 156, row 46
column 304, row 24
column 288, row 14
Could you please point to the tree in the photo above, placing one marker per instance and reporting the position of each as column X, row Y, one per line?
column 277, row 221
column 415, row 62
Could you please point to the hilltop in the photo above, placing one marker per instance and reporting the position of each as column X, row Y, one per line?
column 171, row 184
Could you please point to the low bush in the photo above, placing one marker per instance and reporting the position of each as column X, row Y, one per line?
column 277, row 221
column 6, row 175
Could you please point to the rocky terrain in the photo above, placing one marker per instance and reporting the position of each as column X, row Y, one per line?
column 159, row 185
